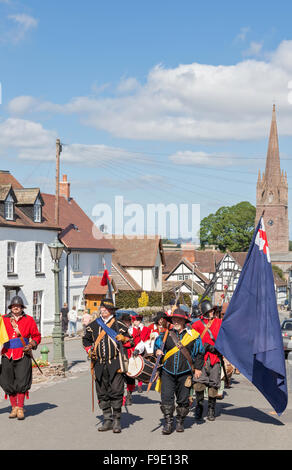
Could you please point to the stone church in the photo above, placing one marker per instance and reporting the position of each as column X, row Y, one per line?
column 272, row 198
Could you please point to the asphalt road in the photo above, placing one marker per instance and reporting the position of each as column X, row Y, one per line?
column 59, row 417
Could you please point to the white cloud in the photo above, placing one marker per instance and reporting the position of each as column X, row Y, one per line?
column 189, row 103
column 254, row 50
column 33, row 142
column 23, row 23
column 188, row 157
column 242, row 34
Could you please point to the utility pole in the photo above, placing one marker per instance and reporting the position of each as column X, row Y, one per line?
column 58, row 151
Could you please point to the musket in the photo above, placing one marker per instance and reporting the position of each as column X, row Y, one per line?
column 152, row 378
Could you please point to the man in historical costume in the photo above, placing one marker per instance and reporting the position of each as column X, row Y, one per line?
column 130, row 346
column 183, row 356
column 140, row 334
column 16, row 371
column 208, row 326
column 103, row 341
column 159, row 325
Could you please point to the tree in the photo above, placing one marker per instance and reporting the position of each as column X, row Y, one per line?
column 143, row 300
column 230, row 228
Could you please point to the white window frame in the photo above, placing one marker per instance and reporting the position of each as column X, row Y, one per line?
column 37, row 300
column 9, row 208
column 11, row 258
column 76, row 262
column 37, row 211
column 38, row 257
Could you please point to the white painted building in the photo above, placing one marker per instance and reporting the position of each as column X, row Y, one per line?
column 27, row 226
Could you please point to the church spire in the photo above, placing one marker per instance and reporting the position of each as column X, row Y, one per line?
column 273, row 170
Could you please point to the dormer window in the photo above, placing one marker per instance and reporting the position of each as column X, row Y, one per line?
column 37, row 211
column 9, row 208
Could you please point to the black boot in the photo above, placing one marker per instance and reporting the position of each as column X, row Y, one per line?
column 107, row 417
column 181, row 413
column 167, row 411
column 117, row 420
column 199, row 405
column 211, row 408
column 128, row 401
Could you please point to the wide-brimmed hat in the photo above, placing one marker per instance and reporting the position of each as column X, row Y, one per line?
column 107, row 303
column 16, row 300
column 179, row 313
column 137, row 316
column 159, row 316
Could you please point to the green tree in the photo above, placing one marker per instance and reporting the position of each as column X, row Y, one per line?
column 230, row 228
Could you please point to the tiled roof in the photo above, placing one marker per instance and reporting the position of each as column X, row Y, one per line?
column 93, row 286
column 132, row 251
column 7, row 178
column 26, row 196
column 87, row 237
column 123, row 280
column 173, row 285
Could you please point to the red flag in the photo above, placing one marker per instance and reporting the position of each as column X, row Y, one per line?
column 105, row 278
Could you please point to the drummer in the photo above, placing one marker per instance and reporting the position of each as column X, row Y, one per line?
column 158, row 326
column 140, row 334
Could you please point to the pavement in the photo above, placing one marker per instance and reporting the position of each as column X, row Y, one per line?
column 59, row 417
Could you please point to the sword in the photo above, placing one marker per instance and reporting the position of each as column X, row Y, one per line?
column 29, row 353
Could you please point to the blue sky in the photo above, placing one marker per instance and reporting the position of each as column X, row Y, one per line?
column 161, row 101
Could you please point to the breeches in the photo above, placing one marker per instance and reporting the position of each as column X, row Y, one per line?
column 16, row 376
column 173, row 386
column 211, row 375
column 110, row 390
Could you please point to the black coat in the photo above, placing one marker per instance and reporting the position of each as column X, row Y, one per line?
column 107, row 352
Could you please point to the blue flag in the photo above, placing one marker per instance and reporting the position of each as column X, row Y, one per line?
column 250, row 334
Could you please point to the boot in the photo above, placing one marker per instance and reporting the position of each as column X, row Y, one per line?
column 211, row 408
column 117, row 421
column 107, row 416
column 167, row 411
column 19, row 413
column 181, row 413
column 200, row 405
column 13, row 413
column 128, row 401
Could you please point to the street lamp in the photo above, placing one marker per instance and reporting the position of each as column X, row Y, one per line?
column 56, row 249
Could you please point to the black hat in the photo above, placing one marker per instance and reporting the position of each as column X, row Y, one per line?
column 195, row 312
column 159, row 316
column 125, row 317
column 107, row 303
column 206, row 307
column 179, row 313
column 16, row 300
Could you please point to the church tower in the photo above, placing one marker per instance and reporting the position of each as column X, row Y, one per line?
column 272, row 196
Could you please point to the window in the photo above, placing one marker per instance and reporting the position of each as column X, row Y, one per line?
column 76, row 261
column 76, row 301
column 9, row 208
column 11, row 257
column 180, row 277
column 38, row 257
column 156, row 272
column 186, row 276
column 37, row 307
column 37, row 211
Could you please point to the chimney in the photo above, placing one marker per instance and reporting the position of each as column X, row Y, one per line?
column 65, row 188
column 188, row 252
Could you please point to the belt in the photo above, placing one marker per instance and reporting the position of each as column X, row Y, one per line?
column 15, row 343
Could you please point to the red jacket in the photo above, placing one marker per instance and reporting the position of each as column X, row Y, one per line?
column 200, row 326
column 28, row 329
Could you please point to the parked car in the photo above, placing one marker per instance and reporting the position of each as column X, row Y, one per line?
column 286, row 329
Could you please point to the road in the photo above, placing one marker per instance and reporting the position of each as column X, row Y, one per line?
column 59, row 417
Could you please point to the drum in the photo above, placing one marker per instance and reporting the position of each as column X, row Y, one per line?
column 141, row 367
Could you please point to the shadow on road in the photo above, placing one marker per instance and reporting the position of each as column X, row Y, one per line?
column 247, row 412
column 31, row 410
column 127, row 419
column 73, row 363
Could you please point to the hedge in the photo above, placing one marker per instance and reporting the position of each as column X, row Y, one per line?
column 129, row 299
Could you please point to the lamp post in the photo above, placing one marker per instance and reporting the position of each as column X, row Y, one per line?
column 56, row 250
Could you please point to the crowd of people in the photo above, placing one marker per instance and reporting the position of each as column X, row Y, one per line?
column 176, row 352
